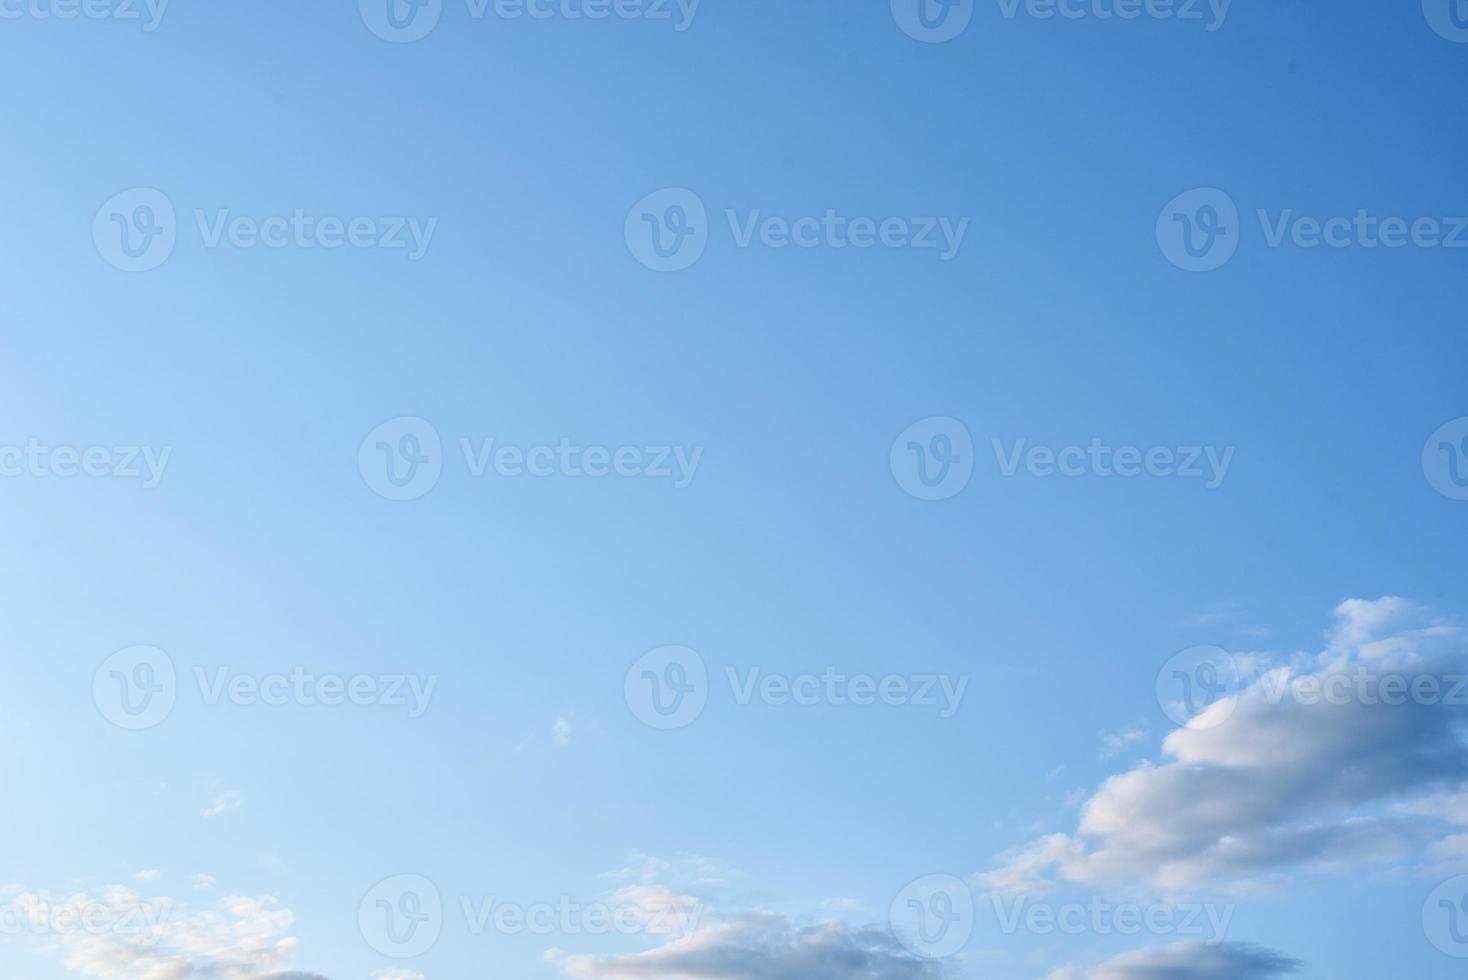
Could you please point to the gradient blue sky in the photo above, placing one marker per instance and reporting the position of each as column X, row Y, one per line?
column 794, row 549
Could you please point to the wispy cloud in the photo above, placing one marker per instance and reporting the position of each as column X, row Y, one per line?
column 763, row 946
column 1189, row 961
column 223, row 803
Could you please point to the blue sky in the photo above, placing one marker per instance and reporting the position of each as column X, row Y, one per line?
column 461, row 449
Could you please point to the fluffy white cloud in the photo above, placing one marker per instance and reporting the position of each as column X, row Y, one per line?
column 1189, row 961
column 1303, row 766
column 764, row 946
column 118, row 934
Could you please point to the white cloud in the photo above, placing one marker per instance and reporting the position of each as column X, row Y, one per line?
column 202, row 881
column 1188, row 961
column 151, row 874
column 1272, row 779
column 133, row 937
column 223, row 803
column 764, row 946
column 563, row 732
column 660, row 911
